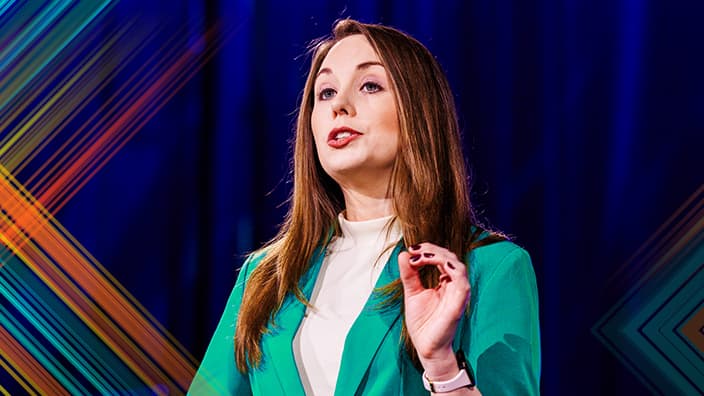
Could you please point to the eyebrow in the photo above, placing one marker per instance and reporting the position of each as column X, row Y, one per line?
column 361, row 66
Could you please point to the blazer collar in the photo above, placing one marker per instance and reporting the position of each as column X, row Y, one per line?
column 278, row 345
column 368, row 330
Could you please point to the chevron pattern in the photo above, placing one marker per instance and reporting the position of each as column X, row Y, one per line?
column 657, row 328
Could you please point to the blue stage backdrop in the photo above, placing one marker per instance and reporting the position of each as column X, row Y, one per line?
column 145, row 150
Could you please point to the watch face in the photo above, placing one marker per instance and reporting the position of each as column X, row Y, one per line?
column 462, row 364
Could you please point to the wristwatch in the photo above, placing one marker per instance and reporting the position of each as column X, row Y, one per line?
column 464, row 378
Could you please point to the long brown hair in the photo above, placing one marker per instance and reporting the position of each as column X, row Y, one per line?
column 429, row 184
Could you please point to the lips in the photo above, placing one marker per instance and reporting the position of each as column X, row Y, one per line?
column 340, row 137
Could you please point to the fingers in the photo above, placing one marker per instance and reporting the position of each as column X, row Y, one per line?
column 409, row 274
column 453, row 281
column 444, row 260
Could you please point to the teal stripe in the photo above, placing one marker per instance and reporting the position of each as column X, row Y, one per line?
column 49, row 57
column 36, row 349
column 52, row 335
column 34, row 29
column 39, row 352
column 96, row 355
column 642, row 328
column 13, row 21
column 5, row 5
column 57, row 336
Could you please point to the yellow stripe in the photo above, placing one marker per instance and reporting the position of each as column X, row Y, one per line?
column 20, row 380
column 50, row 102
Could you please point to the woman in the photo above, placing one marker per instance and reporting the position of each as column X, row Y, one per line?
column 380, row 281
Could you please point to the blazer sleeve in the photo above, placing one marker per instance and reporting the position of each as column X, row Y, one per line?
column 502, row 335
column 218, row 374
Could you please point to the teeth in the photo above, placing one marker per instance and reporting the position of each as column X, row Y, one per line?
column 342, row 135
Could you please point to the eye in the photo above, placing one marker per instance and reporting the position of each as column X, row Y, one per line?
column 371, row 87
column 326, row 94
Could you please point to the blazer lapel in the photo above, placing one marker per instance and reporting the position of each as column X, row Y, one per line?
column 278, row 345
column 368, row 331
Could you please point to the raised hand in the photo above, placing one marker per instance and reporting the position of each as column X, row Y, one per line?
column 432, row 314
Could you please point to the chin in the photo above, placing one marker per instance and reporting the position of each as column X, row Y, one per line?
column 342, row 173
column 342, row 166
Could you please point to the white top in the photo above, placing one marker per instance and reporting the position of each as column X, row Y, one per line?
column 347, row 277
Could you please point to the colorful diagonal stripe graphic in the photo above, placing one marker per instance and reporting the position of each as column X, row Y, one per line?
column 72, row 94
column 657, row 328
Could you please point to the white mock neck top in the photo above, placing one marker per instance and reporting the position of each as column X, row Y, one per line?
column 347, row 277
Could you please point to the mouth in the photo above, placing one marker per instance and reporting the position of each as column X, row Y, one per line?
column 340, row 137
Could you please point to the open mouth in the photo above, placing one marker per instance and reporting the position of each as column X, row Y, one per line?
column 340, row 137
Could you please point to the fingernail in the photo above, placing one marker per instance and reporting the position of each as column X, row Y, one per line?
column 428, row 255
column 415, row 258
column 449, row 264
column 415, row 247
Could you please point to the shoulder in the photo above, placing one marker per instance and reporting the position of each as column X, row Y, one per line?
column 251, row 262
column 502, row 259
column 498, row 251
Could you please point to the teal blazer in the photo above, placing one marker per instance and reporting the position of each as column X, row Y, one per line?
column 500, row 336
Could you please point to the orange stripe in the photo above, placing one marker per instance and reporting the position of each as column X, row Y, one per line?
column 65, row 180
column 76, row 186
column 28, row 368
column 51, row 125
column 29, row 218
column 55, row 279
column 73, row 145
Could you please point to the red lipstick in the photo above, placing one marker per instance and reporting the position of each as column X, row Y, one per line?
column 340, row 137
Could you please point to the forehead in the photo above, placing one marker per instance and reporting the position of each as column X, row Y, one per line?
column 350, row 51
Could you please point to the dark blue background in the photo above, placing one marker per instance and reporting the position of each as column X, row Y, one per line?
column 583, row 124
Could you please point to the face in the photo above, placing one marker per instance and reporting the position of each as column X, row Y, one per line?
column 354, row 119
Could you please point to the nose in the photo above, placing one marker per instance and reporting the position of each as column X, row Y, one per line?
column 342, row 105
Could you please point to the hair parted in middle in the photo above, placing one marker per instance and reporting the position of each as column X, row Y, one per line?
column 429, row 185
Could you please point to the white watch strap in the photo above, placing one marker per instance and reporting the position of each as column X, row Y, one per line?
column 461, row 380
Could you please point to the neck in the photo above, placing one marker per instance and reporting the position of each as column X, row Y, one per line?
column 360, row 206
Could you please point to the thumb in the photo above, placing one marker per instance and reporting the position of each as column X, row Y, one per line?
column 410, row 277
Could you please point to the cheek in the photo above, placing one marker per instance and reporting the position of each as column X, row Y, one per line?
column 316, row 124
column 390, row 121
